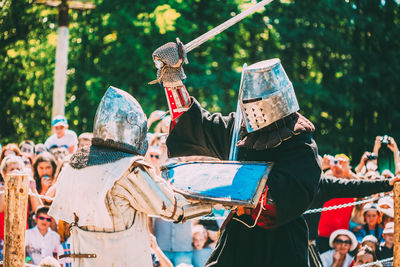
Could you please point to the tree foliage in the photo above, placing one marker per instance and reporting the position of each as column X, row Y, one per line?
column 341, row 55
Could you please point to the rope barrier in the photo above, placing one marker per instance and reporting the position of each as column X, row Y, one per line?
column 345, row 205
column 223, row 217
column 371, row 199
column 40, row 196
column 375, row 262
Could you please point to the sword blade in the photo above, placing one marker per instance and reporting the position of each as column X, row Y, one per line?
column 222, row 27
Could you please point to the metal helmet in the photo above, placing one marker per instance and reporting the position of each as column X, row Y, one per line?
column 120, row 123
column 266, row 94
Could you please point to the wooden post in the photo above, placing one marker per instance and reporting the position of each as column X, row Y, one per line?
column 396, row 250
column 15, row 218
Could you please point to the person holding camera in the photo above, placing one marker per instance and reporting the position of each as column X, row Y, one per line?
column 337, row 166
column 368, row 165
column 387, row 151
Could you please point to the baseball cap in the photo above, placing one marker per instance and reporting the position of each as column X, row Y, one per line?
column 59, row 120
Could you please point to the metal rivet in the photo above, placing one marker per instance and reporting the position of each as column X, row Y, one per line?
column 131, row 117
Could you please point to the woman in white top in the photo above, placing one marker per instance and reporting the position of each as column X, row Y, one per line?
column 342, row 241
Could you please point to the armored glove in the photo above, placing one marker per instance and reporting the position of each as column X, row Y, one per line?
column 191, row 209
column 169, row 59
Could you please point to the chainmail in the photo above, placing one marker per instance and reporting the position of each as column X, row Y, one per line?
column 173, row 59
column 96, row 155
column 273, row 135
column 120, row 146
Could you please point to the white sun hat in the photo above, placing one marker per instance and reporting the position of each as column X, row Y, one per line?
column 347, row 233
column 389, row 228
column 385, row 205
column 370, row 238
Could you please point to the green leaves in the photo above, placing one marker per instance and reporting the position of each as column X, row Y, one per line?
column 341, row 55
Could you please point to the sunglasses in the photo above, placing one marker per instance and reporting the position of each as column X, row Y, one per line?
column 340, row 241
column 154, row 156
column 42, row 218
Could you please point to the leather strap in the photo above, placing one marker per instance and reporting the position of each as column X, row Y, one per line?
column 227, row 220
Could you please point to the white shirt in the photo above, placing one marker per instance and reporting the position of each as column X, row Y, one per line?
column 327, row 259
column 39, row 247
column 69, row 139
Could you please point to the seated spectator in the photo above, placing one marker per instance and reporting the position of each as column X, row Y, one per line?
column 44, row 169
column 11, row 164
column 59, row 153
column 85, row 139
column 200, row 243
column 39, row 148
column 154, row 157
column 371, row 242
column 8, row 150
column 385, row 250
column 342, row 241
column 357, row 217
column 365, row 255
column 27, row 148
column 371, row 226
column 386, row 208
column 41, row 241
column 61, row 135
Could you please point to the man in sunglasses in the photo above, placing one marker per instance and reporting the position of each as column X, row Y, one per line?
column 41, row 241
column 341, row 241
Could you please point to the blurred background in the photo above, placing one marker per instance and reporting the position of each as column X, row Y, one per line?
column 343, row 57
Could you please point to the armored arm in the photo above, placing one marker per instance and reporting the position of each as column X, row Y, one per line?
column 169, row 59
column 153, row 195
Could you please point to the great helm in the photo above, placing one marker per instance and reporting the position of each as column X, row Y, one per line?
column 120, row 123
column 266, row 95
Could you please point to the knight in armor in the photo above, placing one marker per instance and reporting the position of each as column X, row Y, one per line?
column 273, row 131
column 107, row 190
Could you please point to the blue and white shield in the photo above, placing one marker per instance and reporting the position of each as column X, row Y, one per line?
column 230, row 183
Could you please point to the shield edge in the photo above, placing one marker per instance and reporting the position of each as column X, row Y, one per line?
column 226, row 202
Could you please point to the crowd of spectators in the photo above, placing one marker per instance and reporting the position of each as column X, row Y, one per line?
column 345, row 237
column 354, row 235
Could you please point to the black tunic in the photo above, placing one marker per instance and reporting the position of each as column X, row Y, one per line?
column 292, row 184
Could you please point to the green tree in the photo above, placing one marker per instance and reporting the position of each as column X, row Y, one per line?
column 341, row 55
